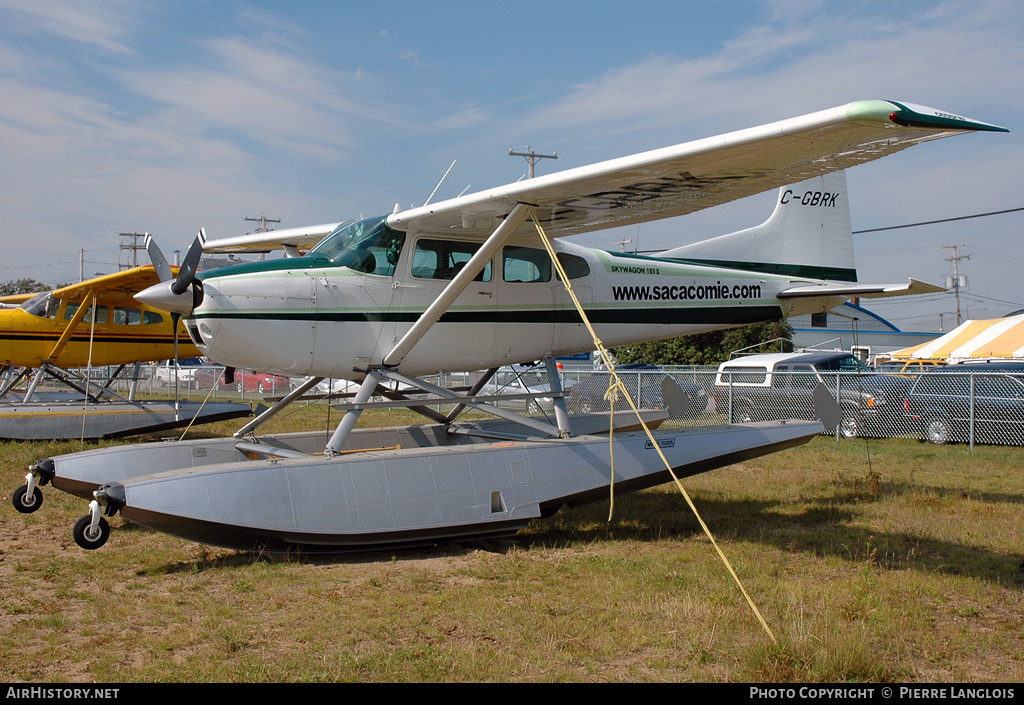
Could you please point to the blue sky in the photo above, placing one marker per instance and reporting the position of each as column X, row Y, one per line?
column 121, row 116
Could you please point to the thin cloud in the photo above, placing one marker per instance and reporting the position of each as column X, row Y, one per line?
column 105, row 24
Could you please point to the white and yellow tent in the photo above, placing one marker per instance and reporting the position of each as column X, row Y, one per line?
column 992, row 339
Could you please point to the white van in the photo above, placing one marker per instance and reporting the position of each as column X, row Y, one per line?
column 781, row 386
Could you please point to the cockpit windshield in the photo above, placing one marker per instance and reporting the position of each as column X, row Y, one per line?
column 42, row 305
column 368, row 246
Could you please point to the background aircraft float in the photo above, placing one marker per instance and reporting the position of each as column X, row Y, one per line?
column 471, row 283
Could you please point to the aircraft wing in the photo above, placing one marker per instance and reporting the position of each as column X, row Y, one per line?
column 297, row 238
column 128, row 281
column 688, row 177
column 16, row 299
column 867, row 291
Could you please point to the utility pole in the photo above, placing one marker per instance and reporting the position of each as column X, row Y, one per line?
column 262, row 220
column 134, row 246
column 531, row 156
column 955, row 259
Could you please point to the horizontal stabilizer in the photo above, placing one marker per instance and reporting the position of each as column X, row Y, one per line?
column 867, row 291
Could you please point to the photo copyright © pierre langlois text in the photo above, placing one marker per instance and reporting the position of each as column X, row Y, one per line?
column 947, row 692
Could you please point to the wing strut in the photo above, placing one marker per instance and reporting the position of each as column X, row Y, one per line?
column 457, row 285
column 72, row 324
column 427, row 320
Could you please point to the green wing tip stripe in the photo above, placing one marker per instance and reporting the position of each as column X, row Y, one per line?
column 891, row 111
column 908, row 117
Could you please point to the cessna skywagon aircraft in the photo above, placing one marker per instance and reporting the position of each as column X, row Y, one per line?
column 468, row 284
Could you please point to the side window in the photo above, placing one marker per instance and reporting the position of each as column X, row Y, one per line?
column 101, row 313
column 780, row 378
column 525, row 264
column 443, row 259
column 575, row 267
column 804, row 377
column 149, row 317
column 744, row 375
column 127, row 316
column 997, row 386
column 70, row 310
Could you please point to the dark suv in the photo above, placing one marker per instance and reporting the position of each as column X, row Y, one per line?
column 949, row 403
column 780, row 386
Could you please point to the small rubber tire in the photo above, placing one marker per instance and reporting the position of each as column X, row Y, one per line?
column 849, row 427
column 25, row 504
column 742, row 414
column 87, row 541
column 936, row 431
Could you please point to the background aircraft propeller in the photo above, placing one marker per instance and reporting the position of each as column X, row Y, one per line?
column 163, row 270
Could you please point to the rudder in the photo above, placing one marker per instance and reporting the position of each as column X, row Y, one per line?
column 808, row 235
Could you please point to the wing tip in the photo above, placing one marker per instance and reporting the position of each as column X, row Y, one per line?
column 905, row 114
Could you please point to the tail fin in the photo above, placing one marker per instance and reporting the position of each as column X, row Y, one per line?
column 808, row 235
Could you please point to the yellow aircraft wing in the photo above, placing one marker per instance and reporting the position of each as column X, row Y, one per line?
column 15, row 299
column 128, row 282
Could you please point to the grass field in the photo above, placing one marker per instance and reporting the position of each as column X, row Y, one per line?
column 870, row 561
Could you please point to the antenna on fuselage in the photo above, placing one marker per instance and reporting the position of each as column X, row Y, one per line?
column 439, row 183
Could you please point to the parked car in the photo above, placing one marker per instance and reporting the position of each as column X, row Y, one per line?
column 780, row 386
column 330, row 386
column 644, row 382
column 208, row 375
column 163, row 372
column 528, row 380
column 945, row 405
column 907, row 367
column 259, row 382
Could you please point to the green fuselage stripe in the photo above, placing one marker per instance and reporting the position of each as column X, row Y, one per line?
column 797, row 271
column 716, row 315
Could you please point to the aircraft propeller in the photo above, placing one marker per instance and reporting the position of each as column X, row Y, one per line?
column 170, row 294
column 182, row 294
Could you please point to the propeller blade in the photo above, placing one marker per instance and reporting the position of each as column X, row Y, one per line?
column 189, row 265
column 163, row 270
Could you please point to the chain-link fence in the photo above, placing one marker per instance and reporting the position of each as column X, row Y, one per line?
column 948, row 405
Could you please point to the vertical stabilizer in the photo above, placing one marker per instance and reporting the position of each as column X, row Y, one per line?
column 808, row 235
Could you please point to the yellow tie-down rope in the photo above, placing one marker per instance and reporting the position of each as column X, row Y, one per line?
column 615, row 386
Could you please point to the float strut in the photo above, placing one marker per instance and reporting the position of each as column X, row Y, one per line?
column 348, row 421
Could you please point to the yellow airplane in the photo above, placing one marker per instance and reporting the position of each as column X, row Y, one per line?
column 59, row 329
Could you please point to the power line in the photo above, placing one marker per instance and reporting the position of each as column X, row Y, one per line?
column 943, row 220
